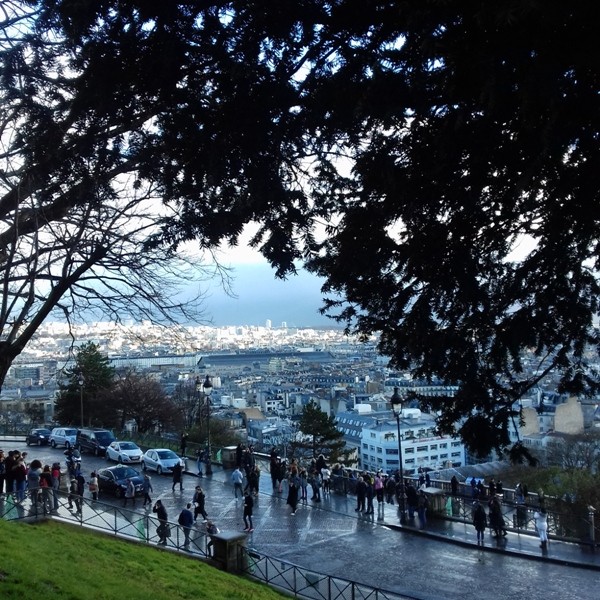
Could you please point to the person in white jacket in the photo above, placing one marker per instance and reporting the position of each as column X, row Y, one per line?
column 541, row 524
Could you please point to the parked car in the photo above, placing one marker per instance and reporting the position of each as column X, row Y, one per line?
column 38, row 437
column 114, row 479
column 63, row 436
column 95, row 441
column 161, row 460
column 124, row 452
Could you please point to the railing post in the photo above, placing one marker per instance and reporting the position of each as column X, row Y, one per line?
column 591, row 514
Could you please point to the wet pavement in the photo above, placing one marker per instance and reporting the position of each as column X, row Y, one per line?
column 443, row 561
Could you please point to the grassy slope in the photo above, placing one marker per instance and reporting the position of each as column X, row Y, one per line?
column 53, row 560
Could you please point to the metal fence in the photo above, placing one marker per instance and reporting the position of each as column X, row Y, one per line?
column 306, row 583
column 142, row 528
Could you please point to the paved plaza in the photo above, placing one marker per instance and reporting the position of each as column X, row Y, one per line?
column 442, row 561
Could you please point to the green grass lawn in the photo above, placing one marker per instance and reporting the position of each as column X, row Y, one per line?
column 53, row 560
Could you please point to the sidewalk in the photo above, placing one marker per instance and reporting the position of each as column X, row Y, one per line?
column 443, row 531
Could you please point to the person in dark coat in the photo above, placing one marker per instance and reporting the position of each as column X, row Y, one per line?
column 199, row 500
column 183, row 443
column 163, row 528
column 293, row 488
column 496, row 519
column 479, row 520
column 186, row 521
column 412, row 499
column 361, row 494
column 454, row 485
column 177, row 476
column 248, row 506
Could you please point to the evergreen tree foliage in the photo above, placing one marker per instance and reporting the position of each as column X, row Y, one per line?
column 319, row 435
column 101, row 408
column 432, row 140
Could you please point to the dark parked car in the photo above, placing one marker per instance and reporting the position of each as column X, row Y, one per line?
column 38, row 437
column 95, row 441
column 114, row 480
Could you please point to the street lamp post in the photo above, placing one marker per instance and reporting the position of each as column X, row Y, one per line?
column 207, row 388
column 396, row 401
column 81, row 381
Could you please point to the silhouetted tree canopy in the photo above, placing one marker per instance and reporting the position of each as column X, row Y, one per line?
column 436, row 161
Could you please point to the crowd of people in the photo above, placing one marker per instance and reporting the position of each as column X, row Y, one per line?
column 302, row 483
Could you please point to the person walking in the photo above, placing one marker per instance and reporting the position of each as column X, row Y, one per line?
column 186, row 521
column 93, row 486
column 129, row 493
column 237, row 478
column 293, row 489
column 73, row 497
column 248, row 506
column 199, row 501
column 162, row 530
column 541, row 524
column 146, row 489
column 211, row 531
column 183, row 443
column 178, row 476
column 479, row 520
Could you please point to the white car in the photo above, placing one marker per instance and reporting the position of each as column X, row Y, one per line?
column 124, row 452
column 63, row 436
column 161, row 460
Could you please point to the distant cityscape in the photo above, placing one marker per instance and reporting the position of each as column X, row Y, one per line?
column 263, row 376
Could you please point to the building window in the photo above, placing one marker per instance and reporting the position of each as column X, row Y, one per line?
column 433, row 457
column 433, row 447
column 444, row 445
column 455, row 454
column 444, row 455
column 365, row 446
column 379, row 450
column 409, row 450
column 373, row 434
column 410, row 461
column 421, row 448
column 391, row 450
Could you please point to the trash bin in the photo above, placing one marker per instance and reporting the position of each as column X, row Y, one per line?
column 228, row 457
column 228, row 550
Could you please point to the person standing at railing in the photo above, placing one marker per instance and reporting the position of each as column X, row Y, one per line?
column 146, row 489
column 93, row 486
column 55, row 471
column 541, row 525
column 454, row 485
column 479, row 520
column 2, row 471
